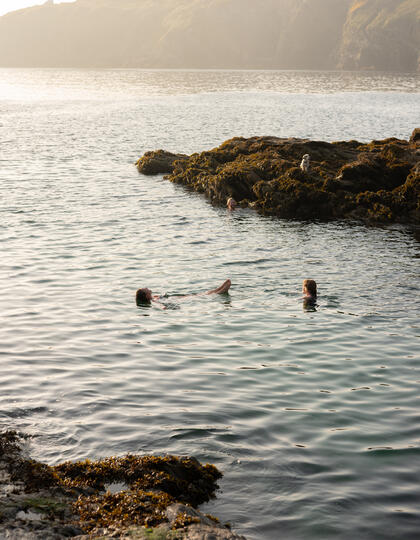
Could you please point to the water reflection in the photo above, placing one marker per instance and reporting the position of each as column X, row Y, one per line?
column 309, row 304
column 50, row 83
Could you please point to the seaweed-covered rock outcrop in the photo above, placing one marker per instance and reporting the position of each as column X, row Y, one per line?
column 133, row 497
column 376, row 182
column 158, row 162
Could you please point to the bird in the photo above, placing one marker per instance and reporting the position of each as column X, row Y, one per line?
column 304, row 164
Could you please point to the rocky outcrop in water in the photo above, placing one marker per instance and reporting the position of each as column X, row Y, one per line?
column 376, row 182
column 134, row 497
column 158, row 162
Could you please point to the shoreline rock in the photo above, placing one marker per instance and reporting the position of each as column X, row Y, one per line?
column 376, row 182
column 135, row 497
column 158, row 162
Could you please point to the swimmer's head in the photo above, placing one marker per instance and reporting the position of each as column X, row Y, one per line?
column 231, row 203
column 143, row 296
column 309, row 287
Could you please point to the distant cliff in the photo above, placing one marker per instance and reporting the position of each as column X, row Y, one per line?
column 382, row 34
column 270, row 34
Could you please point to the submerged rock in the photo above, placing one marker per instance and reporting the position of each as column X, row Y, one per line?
column 157, row 497
column 373, row 182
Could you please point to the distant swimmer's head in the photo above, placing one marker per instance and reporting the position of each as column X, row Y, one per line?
column 309, row 287
column 231, row 203
column 143, row 296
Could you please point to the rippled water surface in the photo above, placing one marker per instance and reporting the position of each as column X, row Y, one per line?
column 312, row 416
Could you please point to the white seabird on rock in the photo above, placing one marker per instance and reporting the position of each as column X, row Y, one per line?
column 304, row 164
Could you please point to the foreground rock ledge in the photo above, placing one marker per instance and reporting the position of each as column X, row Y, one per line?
column 376, row 182
column 120, row 497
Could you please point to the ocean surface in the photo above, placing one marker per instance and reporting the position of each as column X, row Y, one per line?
column 313, row 416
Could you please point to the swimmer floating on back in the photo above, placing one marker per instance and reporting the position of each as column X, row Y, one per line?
column 145, row 296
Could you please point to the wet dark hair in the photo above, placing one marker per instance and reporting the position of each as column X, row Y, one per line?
column 310, row 285
column 141, row 297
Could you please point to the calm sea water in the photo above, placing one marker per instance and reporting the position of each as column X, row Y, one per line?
column 314, row 417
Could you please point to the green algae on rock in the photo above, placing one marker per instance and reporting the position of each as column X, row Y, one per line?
column 157, row 495
column 376, row 182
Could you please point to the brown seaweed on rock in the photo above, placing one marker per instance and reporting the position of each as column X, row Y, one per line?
column 184, row 479
column 377, row 182
column 158, row 162
column 112, row 495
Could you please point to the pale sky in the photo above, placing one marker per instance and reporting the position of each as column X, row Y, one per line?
column 12, row 5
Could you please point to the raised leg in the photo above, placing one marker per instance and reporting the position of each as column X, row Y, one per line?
column 222, row 289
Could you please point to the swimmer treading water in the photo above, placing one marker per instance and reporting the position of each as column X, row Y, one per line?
column 310, row 294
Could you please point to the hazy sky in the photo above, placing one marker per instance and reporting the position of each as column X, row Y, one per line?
column 12, row 5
